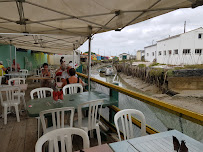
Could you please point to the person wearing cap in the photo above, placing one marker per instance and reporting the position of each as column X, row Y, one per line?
column 2, row 68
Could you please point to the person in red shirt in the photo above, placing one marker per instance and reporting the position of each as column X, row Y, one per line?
column 15, row 66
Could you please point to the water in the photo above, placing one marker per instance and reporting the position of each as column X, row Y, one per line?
column 157, row 118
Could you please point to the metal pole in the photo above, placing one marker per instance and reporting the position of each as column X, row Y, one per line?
column 10, row 59
column 73, row 56
column 89, row 61
column 15, row 61
column 79, row 59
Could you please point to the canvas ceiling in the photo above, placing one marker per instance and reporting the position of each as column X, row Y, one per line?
column 57, row 25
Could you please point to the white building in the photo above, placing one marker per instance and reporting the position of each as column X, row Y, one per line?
column 139, row 55
column 124, row 56
column 150, row 53
column 182, row 49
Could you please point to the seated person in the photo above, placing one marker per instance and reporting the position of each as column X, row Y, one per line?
column 15, row 66
column 60, row 70
column 2, row 68
column 71, row 64
column 65, row 74
column 73, row 78
column 46, row 73
column 4, row 71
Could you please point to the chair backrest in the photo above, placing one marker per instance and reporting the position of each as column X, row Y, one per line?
column 126, row 122
column 41, row 92
column 65, row 136
column 16, row 81
column 24, row 71
column 52, row 72
column 8, row 62
column 95, row 107
column 73, row 88
column 58, row 117
column 10, row 94
column 58, row 79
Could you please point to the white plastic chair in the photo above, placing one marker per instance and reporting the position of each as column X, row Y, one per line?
column 58, row 118
column 41, row 93
column 73, row 88
column 18, row 81
column 38, row 74
column 91, row 122
column 8, row 62
column 58, row 78
column 28, row 65
column 65, row 136
column 127, row 125
column 24, row 71
column 10, row 100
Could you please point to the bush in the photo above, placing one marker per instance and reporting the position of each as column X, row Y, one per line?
column 156, row 72
column 170, row 73
column 154, row 64
column 141, row 65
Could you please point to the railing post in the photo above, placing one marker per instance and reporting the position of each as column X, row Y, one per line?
column 114, row 94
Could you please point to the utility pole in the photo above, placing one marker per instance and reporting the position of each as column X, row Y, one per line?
column 184, row 26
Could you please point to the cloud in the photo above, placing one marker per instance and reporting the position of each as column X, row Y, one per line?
column 140, row 35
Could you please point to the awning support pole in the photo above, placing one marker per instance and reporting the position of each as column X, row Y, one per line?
column 73, row 56
column 89, row 56
column 15, row 61
column 10, row 59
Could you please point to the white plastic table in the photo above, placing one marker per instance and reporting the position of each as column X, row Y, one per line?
column 16, row 74
column 160, row 142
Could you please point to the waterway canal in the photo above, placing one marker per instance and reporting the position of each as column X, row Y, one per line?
column 157, row 118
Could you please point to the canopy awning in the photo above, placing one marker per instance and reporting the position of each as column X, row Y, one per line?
column 69, row 21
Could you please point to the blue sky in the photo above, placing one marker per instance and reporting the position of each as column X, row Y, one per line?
column 137, row 36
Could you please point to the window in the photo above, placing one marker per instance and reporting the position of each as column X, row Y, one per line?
column 198, row 51
column 169, row 52
column 186, row 51
column 164, row 52
column 147, row 54
column 159, row 52
column 199, row 36
column 152, row 53
column 176, row 51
